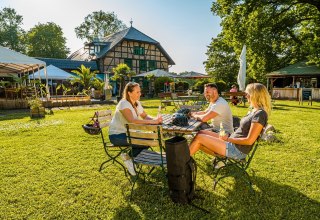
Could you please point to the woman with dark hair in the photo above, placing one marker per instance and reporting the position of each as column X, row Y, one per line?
column 129, row 110
column 240, row 142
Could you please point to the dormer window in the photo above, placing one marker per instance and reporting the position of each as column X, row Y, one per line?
column 94, row 49
column 138, row 50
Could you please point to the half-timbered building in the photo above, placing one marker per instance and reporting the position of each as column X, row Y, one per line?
column 130, row 46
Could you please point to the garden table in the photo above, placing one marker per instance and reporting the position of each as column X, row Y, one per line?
column 186, row 98
column 167, row 125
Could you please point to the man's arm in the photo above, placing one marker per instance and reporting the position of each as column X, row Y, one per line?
column 199, row 113
column 206, row 117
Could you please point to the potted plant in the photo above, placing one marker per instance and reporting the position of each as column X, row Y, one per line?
column 108, row 92
column 36, row 108
column 98, row 85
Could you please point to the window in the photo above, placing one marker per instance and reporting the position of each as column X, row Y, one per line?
column 152, row 65
column 138, row 50
column 128, row 62
column 143, row 65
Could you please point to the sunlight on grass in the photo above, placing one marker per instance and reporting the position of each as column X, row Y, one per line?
column 9, row 127
column 49, row 170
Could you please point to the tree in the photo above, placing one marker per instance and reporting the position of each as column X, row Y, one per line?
column 99, row 23
column 121, row 73
column 46, row 40
column 222, row 61
column 85, row 78
column 276, row 33
column 11, row 33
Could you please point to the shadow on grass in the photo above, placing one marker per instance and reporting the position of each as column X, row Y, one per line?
column 14, row 114
column 294, row 106
column 152, row 201
column 232, row 201
column 270, row 201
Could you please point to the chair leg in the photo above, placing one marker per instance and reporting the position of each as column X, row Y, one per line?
column 244, row 175
column 134, row 180
column 247, row 179
column 215, row 180
column 133, row 183
column 114, row 160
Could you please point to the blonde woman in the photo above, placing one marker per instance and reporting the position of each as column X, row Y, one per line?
column 129, row 110
column 240, row 142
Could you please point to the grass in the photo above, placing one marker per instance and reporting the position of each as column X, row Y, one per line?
column 49, row 170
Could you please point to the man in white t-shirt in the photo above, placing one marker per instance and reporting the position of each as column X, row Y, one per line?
column 218, row 111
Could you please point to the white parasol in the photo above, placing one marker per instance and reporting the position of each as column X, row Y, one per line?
column 242, row 71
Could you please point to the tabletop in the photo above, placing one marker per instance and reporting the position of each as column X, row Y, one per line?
column 189, row 96
column 169, row 127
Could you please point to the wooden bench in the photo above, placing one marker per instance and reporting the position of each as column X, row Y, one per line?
column 228, row 95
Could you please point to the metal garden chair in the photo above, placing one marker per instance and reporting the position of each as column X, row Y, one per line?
column 146, row 135
column 101, row 120
column 222, row 163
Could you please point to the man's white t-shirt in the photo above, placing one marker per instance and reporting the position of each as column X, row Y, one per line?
column 222, row 108
column 117, row 125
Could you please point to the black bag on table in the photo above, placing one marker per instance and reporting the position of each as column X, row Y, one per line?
column 182, row 170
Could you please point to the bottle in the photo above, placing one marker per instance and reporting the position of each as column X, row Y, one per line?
column 159, row 113
column 222, row 132
column 159, row 110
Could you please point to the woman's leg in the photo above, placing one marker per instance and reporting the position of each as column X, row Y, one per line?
column 211, row 133
column 208, row 144
column 121, row 140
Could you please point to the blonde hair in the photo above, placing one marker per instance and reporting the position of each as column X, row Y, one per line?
column 129, row 88
column 259, row 96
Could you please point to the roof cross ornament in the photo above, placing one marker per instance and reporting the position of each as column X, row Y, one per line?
column 131, row 22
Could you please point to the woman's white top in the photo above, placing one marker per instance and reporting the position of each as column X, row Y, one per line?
column 117, row 125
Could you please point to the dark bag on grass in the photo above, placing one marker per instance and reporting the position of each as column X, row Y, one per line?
column 182, row 170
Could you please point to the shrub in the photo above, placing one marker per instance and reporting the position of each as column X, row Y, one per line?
column 159, row 83
column 222, row 86
column 199, row 86
column 181, row 86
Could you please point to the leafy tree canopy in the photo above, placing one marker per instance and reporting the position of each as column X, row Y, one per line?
column 46, row 40
column 276, row 33
column 100, row 24
column 11, row 33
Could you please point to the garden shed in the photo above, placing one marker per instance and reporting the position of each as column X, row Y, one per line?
column 288, row 82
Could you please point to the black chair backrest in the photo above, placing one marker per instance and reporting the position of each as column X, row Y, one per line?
column 255, row 146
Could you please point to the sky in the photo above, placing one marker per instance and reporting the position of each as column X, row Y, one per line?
column 184, row 28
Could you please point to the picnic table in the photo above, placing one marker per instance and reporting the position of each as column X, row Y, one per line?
column 187, row 98
column 241, row 95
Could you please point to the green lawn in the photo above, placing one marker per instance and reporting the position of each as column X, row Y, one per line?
column 49, row 170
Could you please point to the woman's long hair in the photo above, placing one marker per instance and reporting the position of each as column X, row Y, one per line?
column 259, row 96
column 129, row 88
